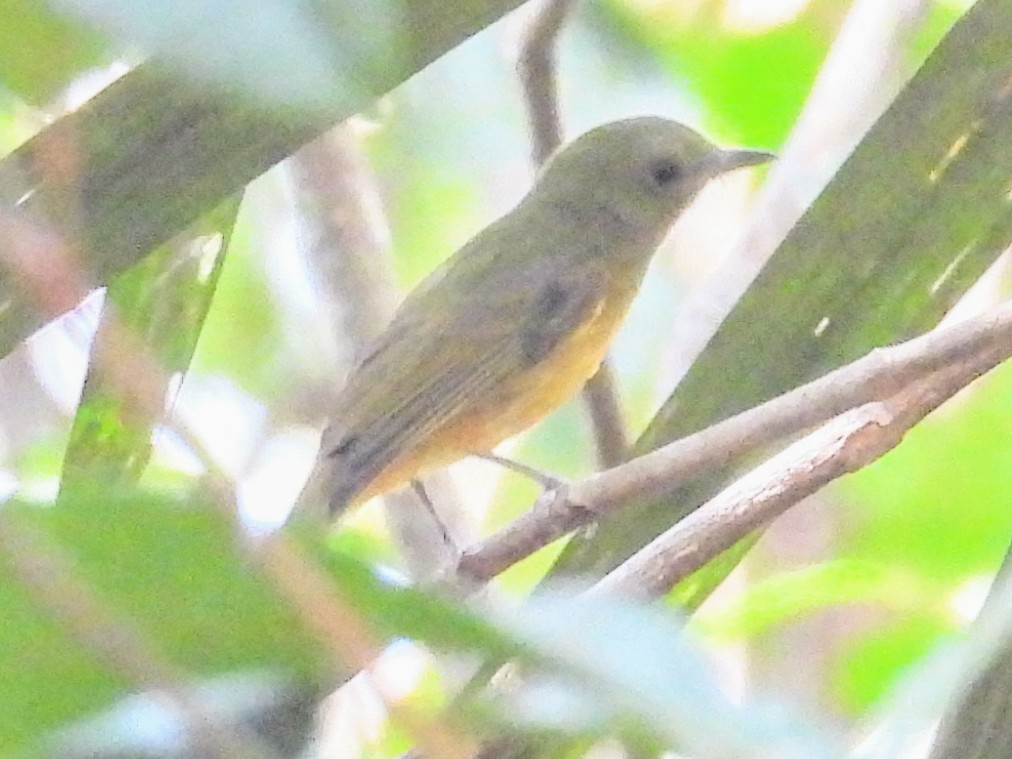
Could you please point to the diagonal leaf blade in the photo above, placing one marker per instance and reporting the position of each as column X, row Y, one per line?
column 160, row 305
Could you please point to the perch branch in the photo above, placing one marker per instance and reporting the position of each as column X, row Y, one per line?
column 880, row 374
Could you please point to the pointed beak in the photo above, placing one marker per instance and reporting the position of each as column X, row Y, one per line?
column 729, row 160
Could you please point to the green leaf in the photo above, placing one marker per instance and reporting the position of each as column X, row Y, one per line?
column 873, row 664
column 153, row 315
column 155, row 152
column 172, row 569
column 40, row 52
column 176, row 572
column 787, row 597
column 628, row 668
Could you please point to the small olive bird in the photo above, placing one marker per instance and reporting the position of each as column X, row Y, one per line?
column 516, row 321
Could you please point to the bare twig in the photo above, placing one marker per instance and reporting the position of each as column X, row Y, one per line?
column 601, row 398
column 346, row 239
column 882, row 373
column 537, row 70
column 538, row 77
column 845, row 444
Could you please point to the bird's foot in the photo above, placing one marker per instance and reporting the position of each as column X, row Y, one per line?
column 554, row 487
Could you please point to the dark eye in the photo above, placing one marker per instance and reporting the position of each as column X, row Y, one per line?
column 665, row 173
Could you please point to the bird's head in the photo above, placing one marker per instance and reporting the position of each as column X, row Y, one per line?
column 641, row 171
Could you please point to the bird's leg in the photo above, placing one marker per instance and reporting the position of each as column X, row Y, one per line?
column 419, row 487
column 549, row 482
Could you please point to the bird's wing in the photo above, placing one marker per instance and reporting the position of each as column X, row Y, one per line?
column 452, row 343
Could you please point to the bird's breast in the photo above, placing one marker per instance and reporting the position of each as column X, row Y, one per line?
column 532, row 394
column 518, row 402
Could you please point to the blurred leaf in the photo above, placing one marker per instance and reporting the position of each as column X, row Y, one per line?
column 173, row 570
column 872, row 664
column 161, row 303
column 289, row 52
column 277, row 711
column 405, row 612
column 624, row 664
column 754, row 82
column 914, row 217
column 155, row 152
column 40, row 52
column 788, row 596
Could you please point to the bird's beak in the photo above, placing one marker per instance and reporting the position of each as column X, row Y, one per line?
column 729, row 160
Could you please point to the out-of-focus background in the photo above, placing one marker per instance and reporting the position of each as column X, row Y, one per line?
column 844, row 593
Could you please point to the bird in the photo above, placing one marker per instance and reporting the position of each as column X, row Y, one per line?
column 516, row 321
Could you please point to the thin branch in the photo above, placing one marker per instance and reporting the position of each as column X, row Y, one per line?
column 601, row 398
column 845, row 444
column 880, row 374
column 538, row 76
column 346, row 239
column 537, row 68
column 848, row 442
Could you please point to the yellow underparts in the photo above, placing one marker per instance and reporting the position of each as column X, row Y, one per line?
column 515, row 406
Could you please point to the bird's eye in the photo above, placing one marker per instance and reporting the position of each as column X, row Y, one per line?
column 665, row 173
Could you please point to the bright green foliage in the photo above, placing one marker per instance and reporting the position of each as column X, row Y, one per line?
column 871, row 664
column 754, row 82
column 945, row 490
column 41, row 52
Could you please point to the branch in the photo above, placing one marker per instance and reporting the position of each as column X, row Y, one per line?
column 880, row 374
column 845, row 444
column 537, row 68
column 538, row 76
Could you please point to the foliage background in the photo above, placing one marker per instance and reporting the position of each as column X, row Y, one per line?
column 838, row 599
